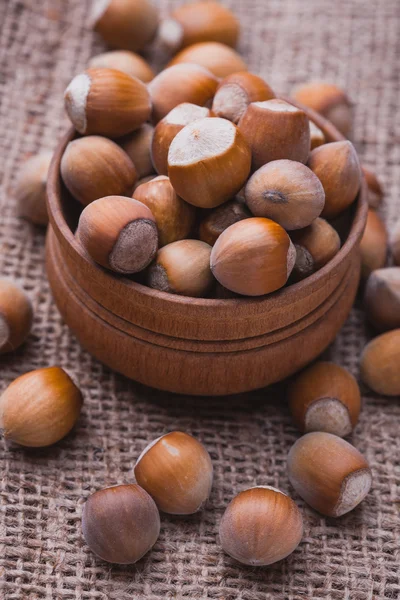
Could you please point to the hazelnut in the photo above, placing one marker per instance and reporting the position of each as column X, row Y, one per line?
column 119, row 233
column 137, row 145
column 253, row 257
column 338, row 168
column 174, row 217
column 122, row 60
column 236, row 92
column 30, row 190
column 380, row 364
column 221, row 60
column 375, row 190
column 93, row 166
column 382, row 298
column 39, row 408
column 120, row 524
column 395, row 243
column 144, row 180
column 182, row 268
column 317, row 136
column 285, row 126
column 208, row 162
column 374, row 245
column 178, row 84
column 126, row 24
column 328, row 473
column 315, row 246
column 176, row 470
column 260, row 526
column 107, row 102
column 199, row 22
column 287, row 192
column 330, row 101
column 169, row 127
column 325, row 397
column 16, row 316
column 221, row 218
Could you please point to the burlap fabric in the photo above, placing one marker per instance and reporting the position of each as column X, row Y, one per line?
column 43, row 43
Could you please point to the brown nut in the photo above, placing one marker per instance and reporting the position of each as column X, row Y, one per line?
column 260, row 526
column 338, row 168
column 128, row 62
column 253, row 257
column 107, row 102
column 221, row 60
column 30, row 190
column 16, row 316
column 380, row 364
column 330, row 101
column 126, row 24
column 284, row 126
column 169, row 127
column 178, row 84
column 182, row 268
column 317, row 136
column 287, row 192
column 374, row 245
column 236, row 92
column 382, row 298
column 120, row 524
column 137, row 145
column 176, row 470
column 328, row 473
column 208, row 162
column 39, row 408
column 325, row 397
column 174, row 217
column 119, row 233
column 221, row 218
column 93, row 166
column 143, row 180
column 315, row 246
column 199, row 22
column 375, row 190
column 395, row 243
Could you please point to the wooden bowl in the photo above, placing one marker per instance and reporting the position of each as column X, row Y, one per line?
column 190, row 345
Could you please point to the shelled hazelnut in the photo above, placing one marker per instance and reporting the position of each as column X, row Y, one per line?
column 284, row 126
column 178, row 84
column 122, row 60
column 176, row 470
column 119, row 233
column 338, row 168
column 236, row 92
column 217, row 58
column 395, row 243
column 169, row 127
column 315, row 246
column 84, row 173
column 125, row 24
column 317, row 136
column 120, row 524
column 328, row 473
column 253, row 257
column 39, row 408
column 182, row 268
column 199, row 22
column 137, row 145
column 30, row 189
column 380, row 364
column 375, row 190
column 16, row 316
column 221, row 218
column 374, row 245
column 107, row 102
column 325, row 397
column 208, row 162
column 382, row 298
column 264, row 510
column 287, row 192
column 174, row 217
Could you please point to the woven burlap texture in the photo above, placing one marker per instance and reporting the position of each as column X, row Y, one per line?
column 43, row 43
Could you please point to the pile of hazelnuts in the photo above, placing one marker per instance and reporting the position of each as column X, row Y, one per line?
column 204, row 183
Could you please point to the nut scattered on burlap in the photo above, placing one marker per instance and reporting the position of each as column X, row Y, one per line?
column 43, row 43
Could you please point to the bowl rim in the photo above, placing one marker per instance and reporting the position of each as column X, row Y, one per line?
column 66, row 236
